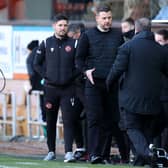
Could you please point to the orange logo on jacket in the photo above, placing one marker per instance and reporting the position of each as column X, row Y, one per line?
column 68, row 48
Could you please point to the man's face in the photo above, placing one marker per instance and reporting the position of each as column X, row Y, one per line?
column 104, row 20
column 61, row 28
column 159, row 38
column 126, row 27
column 74, row 35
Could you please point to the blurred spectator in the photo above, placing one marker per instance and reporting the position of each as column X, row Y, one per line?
column 128, row 31
column 128, row 28
column 75, row 31
column 34, row 77
column 136, row 9
column 161, row 37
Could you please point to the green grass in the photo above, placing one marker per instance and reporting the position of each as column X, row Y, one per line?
column 21, row 162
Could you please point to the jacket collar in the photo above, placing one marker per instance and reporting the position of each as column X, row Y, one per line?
column 144, row 35
column 64, row 38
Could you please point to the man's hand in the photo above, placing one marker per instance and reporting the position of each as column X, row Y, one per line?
column 90, row 76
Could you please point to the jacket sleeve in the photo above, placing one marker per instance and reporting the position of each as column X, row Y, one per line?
column 82, row 53
column 39, row 60
column 119, row 67
column 29, row 64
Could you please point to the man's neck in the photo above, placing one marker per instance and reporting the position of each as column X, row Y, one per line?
column 58, row 37
column 102, row 30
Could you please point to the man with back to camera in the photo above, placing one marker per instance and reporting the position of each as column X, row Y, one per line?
column 96, row 51
column 143, row 61
column 57, row 53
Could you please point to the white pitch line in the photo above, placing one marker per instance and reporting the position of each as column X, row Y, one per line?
column 2, row 166
column 27, row 163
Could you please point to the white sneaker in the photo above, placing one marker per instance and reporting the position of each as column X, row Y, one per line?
column 69, row 157
column 50, row 156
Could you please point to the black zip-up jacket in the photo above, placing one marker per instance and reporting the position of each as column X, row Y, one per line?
column 98, row 50
column 58, row 57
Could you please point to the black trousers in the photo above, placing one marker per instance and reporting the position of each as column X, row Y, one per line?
column 43, row 111
column 102, row 114
column 64, row 98
column 81, row 126
column 141, row 130
column 78, row 126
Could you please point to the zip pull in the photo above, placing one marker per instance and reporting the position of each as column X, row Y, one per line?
column 72, row 100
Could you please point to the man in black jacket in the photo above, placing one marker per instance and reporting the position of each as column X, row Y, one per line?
column 57, row 54
column 96, row 51
column 142, row 61
column 161, row 36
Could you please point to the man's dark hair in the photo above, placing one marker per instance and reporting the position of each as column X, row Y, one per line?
column 164, row 33
column 143, row 24
column 129, row 20
column 82, row 27
column 33, row 44
column 75, row 27
column 59, row 17
column 103, row 8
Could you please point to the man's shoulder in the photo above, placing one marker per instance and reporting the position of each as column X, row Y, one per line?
column 69, row 39
column 126, row 45
column 116, row 30
column 166, row 48
column 49, row 38
column 91, row 31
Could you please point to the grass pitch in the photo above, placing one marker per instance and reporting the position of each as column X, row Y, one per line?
column 20, row 162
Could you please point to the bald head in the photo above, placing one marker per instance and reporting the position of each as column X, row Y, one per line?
column 142, row 24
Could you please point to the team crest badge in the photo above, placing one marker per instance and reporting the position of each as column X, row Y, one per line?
column 68, row 48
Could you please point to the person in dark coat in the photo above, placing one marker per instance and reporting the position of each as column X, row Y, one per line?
column 143, row 61
column 161, row 36
column 75, row 31
column 34, row 77
column 96, row 51
column 128, row 31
